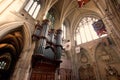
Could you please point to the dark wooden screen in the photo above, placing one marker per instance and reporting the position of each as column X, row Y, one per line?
column 65, row 74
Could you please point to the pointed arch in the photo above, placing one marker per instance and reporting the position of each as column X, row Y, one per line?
column 14, row 40
column 84, row 57
column 86, row 66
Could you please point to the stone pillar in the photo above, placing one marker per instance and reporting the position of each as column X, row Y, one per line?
column 23, row 66
column 115, row 17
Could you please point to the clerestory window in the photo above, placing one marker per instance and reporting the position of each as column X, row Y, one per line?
column 33, row 8
column 50, row 16
column 63, row 31
column 85, row 31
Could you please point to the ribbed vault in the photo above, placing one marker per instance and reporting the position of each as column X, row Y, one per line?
column 11, row 46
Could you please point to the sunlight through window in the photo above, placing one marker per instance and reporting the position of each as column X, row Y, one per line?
column 85, row 31
column 64, row 31
column 33, row 8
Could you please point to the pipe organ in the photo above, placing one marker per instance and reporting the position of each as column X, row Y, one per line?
column 47, row 54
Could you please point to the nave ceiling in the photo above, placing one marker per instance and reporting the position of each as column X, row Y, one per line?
column 69, row 10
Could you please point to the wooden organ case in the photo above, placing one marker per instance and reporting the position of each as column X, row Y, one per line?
column 47, row 54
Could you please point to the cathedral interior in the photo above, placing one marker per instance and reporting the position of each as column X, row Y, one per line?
column 59, row 40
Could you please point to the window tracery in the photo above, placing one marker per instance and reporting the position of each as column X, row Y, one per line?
column 85, row 31
column 33, row 8
column 51, row 17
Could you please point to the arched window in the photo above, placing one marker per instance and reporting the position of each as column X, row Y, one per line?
column 50, row 16
column 85, row 31
column 2, row 65
column 33, row 8
column 63, row 31
column 5, row 61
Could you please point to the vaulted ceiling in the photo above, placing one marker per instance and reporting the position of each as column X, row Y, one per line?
column 69, row 10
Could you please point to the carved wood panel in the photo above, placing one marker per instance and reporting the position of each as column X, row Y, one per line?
column 43, row 71
column 42, row 76
column 65, row 74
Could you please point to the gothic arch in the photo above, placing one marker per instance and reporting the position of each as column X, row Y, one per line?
column 6, row 28
column 86, row 69
column 90, row 14
column 14, row 40
column 85, row 14
column 84, row 57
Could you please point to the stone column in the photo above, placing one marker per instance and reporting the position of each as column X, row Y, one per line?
column 23, row 65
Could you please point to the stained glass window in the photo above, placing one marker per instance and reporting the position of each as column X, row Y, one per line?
column 2, row 65
column 51, row 17
column 85, row 32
